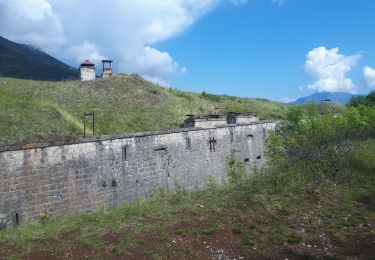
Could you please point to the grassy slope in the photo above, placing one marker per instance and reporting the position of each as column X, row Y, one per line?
column 122, row 104
column 256, row 219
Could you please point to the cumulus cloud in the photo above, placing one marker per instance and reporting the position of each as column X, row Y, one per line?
column 329, row 68
column 32, row 22
column 75, row 30
column 84, row 51
column 369, row 75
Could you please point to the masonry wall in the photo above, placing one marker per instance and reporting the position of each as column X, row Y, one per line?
column 246, row 119
column 87, row 73
column 81, row 177
column 210, row 122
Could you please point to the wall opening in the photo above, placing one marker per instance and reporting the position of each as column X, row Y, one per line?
column 250, row 135
column 259, row 157
column 160, row 149
column 231, row 137
column 188, row 143
column 247, row 160
column 16, row 219
column 124, row 154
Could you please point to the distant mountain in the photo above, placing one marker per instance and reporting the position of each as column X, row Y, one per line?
column 27, row 62
column 334, row 97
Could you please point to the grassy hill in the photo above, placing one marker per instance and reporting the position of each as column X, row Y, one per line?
column 124, row 103
column 27, row 62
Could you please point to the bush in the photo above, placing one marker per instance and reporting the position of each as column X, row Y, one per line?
column 211, row 97
column 368, row 100
column 236, row 169
column 319, row 143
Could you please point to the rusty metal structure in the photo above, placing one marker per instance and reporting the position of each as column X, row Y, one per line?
column 107, row 68
column 89, row 114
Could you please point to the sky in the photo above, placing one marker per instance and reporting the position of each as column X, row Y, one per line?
column 275, row 49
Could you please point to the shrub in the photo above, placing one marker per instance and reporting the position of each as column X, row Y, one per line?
column 319, row 143
column 236, row 169
column 211, row 97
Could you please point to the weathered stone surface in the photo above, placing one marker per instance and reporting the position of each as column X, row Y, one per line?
column 107, row 171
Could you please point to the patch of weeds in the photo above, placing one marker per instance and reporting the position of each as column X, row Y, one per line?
column 85, row 242
column 237, row 231
column 277, row 239
column 367, row 198
column 313, row 240
column 161, row 193
column 184, row 95
column 126, row 241
column 158, row 252
column 117, row 250
column 212, row 184
column 299, row 255
column 248, row 240
column 188, row 252
column 211, row 97
column 236, row 169
column 215, row 225
column 291, row 238
column 44, row 218
column 294, row 238
column 186, row 232
column 178, row 197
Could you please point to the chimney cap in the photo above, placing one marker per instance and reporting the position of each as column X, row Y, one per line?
column 87, row 63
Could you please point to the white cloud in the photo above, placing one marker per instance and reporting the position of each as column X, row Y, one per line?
column 149, row 63
column 279, row 2
column 75, row 30
column 369, row 75
column 287, row 100
column 32, row 22
column 85, row 50
column 329, row 68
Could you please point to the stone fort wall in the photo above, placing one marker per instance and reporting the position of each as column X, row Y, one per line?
column 74, row 178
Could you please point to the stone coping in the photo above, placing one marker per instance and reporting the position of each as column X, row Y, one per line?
column 91, row 139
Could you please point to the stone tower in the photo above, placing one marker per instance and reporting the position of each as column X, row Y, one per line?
column 88, row 71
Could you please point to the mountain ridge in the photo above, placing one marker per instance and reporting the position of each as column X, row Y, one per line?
column 24, row 61
column 341, row 98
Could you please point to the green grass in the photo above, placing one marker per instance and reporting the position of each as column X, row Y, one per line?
column 311, row 220
column 122, row 104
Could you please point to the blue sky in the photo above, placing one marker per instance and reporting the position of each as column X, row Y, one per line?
column 259, row 49
column 275, row 49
